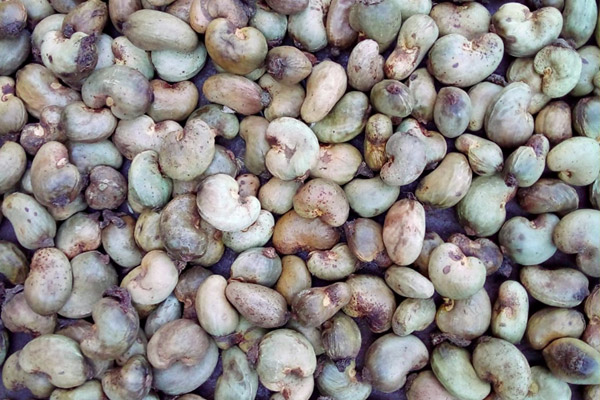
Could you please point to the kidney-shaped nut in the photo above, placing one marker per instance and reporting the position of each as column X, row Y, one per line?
column 220, row 205
column 579, row 19
column 504, row 366
column 469, row 19
column 215, row 314
column 579, row 233
column 154, row 280
column 294, row 148
column 513, row 100
column 447, row 184
column 322, row 198
column 365, row 65
column 458, row 61
column 312, row 307
column 528, row 242
column 262, row 306
column 50, row 281
column 573, row 361
column 58, row 357
column 371, row 299
column 465, row 320
column 404, row 231
column 180, row 340
column 560, row 68
column 525, row 32
column 509, row 316
column 19, row 209
column 552, row 323
column 390, row 358
column 126, row 91
column 577, row 160
column 417, row 35
column 407, row 159
column 293, row 233
column 562, row 287
column 237, row 50
column 453, row 274
column 324, row 87
column 71, row 59
column 236, row 92
column 365, row 241
column 146, row 30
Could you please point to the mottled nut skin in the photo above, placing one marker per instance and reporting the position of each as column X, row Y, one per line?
column 371, row 299
column 573, row 361
column 107, row 188
column 404, row 231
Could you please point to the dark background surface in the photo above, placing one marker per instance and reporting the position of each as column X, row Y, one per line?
column 444, row 222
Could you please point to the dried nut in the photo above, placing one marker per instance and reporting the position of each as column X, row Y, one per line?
column 271, row 24
column 13, row 162
column 562, row 287
column 293, row 233
column 312, row 307
column 294, row 148
column 417, row 35
column 525, row 32
column 365, row 65
column 408, row 283
column 58, row 358
column 307, row 27
column 15, row 378
column 324, row 87
column 407, row 159
column 529, row 242
column 544, row 385
column 334, row 264
column 404, row 231
column 260, row 305
column 452, row 366
column 259, row 265
column 256, row 235
column 578, row 233
column 379, row 21
column 577, row 160
column 236, row 92
column 365, row 241
column 341, row 338
column 413, row 315
column 116, row 326
column 339, row 163
column 167, row 311
column 371, row 299
column 345, row 120
column 509, row 316
column 579, row 19
column 17, row 316
column 323, row 199
column 370, row 197
column 181, row 341
column 526, row 164
column 172, row 101
column 390, row 358
column 342, row 384
column 253, row 129
column 484, row 249
column 133, row 380
column 504, row 366
column 426, row 386
column 485, row 156
column 144, row 29
column 481, row 96
column 465, row 319
column 585, row 118
column 13, row 114
column 239, row 379
column 153, row 280
column 288, row 65
column 467, row 19
column 286, row 100
column 552, row 323
column 479, row 219
column 573, row 361
column 177, row 66
column 19, row 209
column 430, row 242
column 118, row 241
column 294, row 278
column 452, row 111
column 180, row 229
column 220, row 205
column 559, row 65
column 548, row 196
column 180, row 378
column 93, row 274
column 281, row 370
column 392, row 98
column 422, row 86
column 459, row 61
column 554, row 122
column 447, row 184
column 453, row 274
column 513, row 100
